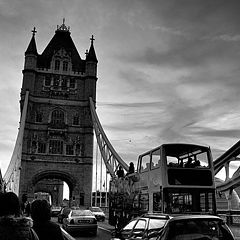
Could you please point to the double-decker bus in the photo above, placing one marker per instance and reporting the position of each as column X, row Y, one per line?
column 172, row 179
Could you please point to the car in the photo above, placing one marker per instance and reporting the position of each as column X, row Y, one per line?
column 63, row 214
column 55, row 210
column 80, row 220
column 98, row 213
column 196, row 227
column 145, row 227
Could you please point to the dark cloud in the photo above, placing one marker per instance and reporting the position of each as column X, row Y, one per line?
column 200, row 17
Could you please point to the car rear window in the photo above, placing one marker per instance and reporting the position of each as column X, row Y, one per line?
column 156, row 223
column 96, row 209
column 79, row 212
column 195, row 228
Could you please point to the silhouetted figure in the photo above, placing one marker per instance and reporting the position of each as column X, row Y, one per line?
column 12, row 225
column 131, row 168
column 189, row 163
column 42, row 224
column 120, row 172
column 197, row 163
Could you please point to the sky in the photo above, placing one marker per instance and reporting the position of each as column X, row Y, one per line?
column 168, row 70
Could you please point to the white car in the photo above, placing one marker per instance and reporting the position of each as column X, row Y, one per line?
column 98, row 213
column 79, row 220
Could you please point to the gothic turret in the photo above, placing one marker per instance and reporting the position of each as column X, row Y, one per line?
column 91, row 60
column 31, row 54
column 91, row 72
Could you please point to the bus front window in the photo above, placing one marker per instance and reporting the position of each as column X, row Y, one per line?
column 188, row 201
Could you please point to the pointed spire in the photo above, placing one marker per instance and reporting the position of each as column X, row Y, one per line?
column 91, row 56
column 32, row 48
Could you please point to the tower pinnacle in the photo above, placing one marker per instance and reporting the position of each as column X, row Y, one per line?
column 34, row 31
column 63, row 27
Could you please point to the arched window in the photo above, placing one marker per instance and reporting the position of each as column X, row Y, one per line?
column 57, row 64
column 65, row 65
column 57, row 117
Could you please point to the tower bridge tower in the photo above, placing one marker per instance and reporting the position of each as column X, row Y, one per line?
column 58, row 134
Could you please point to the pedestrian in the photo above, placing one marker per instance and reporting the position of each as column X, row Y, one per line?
column 12, row 225
column 131, row 168
column 120, row 172
column 42, row 224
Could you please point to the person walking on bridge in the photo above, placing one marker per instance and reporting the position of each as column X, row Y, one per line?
column 12, row 225
column 42, row 224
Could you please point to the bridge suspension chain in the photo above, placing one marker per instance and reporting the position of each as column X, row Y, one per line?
column 14, row 166
column 111, row 159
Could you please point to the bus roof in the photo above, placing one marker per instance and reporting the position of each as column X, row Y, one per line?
column 177, row 149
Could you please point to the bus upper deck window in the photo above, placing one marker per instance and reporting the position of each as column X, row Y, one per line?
column 155, row 160
column 173, row 162
column 145, row 163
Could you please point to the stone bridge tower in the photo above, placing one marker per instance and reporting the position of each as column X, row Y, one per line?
column 58, row 134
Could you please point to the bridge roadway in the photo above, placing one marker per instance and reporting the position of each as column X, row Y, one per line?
column 104, row 232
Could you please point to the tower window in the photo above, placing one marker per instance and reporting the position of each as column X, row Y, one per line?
column 76, row 120
column 69, row 149
column 55, row 147
column 57, row 64
column 72, row 83
column 65, row 66
column 47, row 81
column 57, row 117
column 64, row 83
column 56, row 81
column 41, row 147
column 38, row 117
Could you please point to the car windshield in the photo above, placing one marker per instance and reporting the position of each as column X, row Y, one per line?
column 79, row 212
column 130, row 225
column 155, row 223
column 96, row 209
column 195, row 228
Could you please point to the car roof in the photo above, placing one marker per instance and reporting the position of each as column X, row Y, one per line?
column 195, row 216
column 156, row 215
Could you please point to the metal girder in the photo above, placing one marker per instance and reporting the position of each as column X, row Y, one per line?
column 111, row 159
column 230, row 155
column 14, row 166
column 224, row 162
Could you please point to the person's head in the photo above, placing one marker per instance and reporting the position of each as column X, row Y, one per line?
column 120, row 168
column 10, row 204
column 131, row 164
column 40, row 210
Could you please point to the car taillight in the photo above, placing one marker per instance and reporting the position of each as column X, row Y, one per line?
column 71, row 222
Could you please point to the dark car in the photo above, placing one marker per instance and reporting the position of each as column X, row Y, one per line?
column 80, row 220
column 196, row 227
column 98, row 213
column 146, row 227
column 63, row 214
